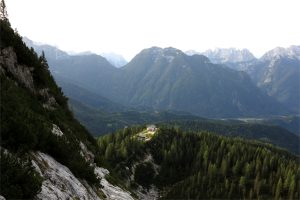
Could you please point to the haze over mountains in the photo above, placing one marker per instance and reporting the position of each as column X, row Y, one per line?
column 221, row 56
column 115, row 59
column 277, row 72
column 168, row 79
column 47, row 154
column 169, row 124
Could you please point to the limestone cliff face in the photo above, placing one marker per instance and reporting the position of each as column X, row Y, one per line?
column 23, row 75
column 59, row 182
column 9, row 65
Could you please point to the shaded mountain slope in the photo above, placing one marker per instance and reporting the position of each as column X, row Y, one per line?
column 277, row 72
column 167, row 78
column 87, row 97
column 281, row 79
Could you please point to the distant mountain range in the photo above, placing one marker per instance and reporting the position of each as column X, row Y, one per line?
column 277, row 72
column 45, row 153
column 230, row 55
column 51, row 51
column 54, row 53
column 168, row 79
column 115, row 59
column 292, row 52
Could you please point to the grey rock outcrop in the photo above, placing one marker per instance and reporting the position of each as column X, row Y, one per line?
column 9, row 64
column 23, row 75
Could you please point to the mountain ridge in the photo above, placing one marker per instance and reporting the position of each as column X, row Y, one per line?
column 277, row 73
column 163, row 69
column 132, row 84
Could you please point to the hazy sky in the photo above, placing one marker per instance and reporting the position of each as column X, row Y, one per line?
column 128, row 26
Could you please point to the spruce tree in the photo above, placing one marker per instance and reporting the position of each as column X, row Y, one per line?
column 278, row 189
column 3, row 11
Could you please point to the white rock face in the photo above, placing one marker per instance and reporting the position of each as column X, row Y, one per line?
column 269, row 72
column 111, row 191
column 59, row 182
column 152, row 192
column 220, row 55
column 148, row 194
column 86, row 154
column 56, row 130
column 50, row 103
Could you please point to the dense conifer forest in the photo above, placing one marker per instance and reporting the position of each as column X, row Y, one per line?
column 203, row 165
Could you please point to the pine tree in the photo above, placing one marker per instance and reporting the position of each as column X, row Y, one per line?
column 292, row 187
column 224, row 167
column 3, row 11
column 248, row 170
column 242, row 185
column 212, row 170
column 109, row 151
column 257, row 185
column 278, row 189
column 251, row 194
column 43, row 60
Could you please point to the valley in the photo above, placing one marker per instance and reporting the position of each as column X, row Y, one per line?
column 101, row 115
column 168, row 124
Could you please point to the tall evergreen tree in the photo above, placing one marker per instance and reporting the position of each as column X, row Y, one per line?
column 278, row 189
column 3, row 11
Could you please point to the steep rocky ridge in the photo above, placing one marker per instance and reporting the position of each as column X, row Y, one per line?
column 38, row 130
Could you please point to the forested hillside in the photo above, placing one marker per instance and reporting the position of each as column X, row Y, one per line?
column 202, row 165
column 266, row 133
column 34, row 117
column 100, row 122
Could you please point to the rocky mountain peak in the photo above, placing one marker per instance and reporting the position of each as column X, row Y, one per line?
column 50, row 51
column 158, row 51
column 292, row 52
column 220, row 55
